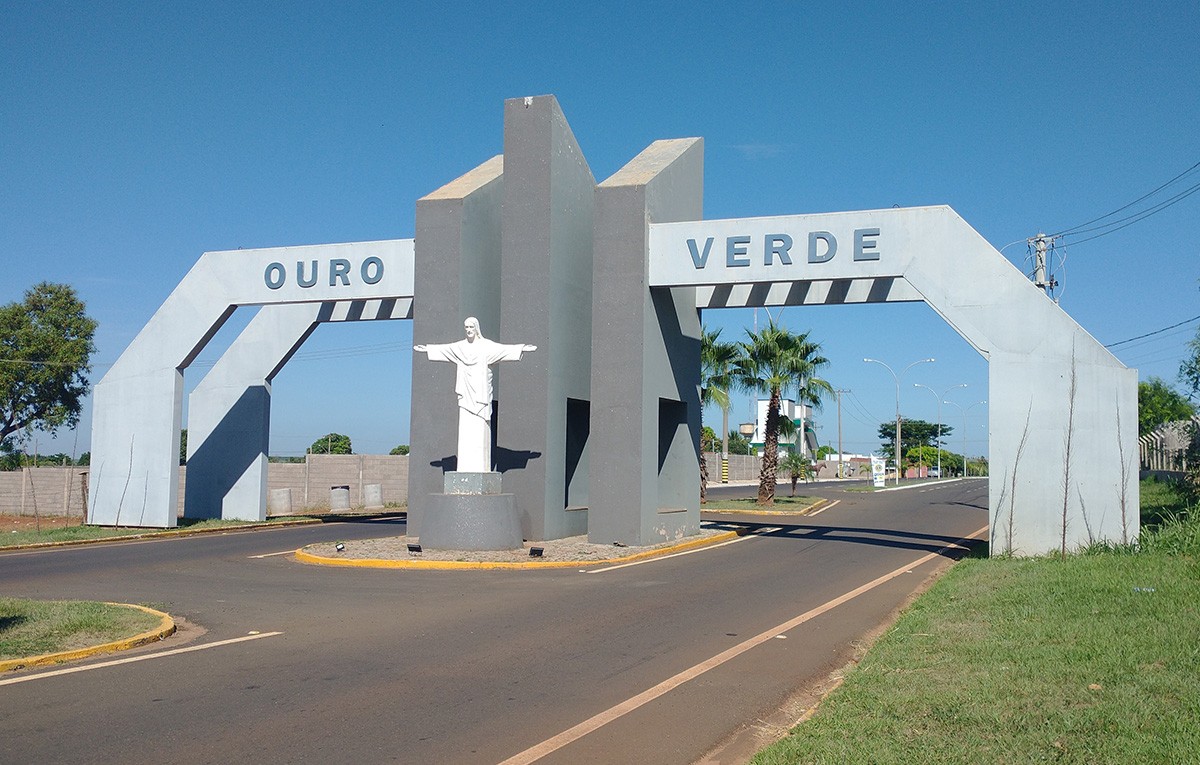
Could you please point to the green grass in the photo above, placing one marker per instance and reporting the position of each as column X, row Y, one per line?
column 1092, row 659
column 783, row 503
column 31, row 627
column 72, row 533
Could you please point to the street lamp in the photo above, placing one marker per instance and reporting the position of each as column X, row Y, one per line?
column 898, row 440
column 964, row 429
column 939, row 400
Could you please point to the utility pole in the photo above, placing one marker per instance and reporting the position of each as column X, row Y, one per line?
column 1044, row 280
column 725, row 443
column 898, row 442
column 841, row 454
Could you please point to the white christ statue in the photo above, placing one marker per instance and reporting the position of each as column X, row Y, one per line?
column 473, row 358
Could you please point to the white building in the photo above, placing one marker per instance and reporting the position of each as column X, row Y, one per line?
column 800, row 415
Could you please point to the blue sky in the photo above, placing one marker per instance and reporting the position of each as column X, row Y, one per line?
column 138, row 135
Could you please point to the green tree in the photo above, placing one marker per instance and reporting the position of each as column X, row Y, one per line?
column 916, row 433
column 928, row 456
column 708, row 439
column 45, row 351
column 1189, row 370
column 399, row 450
column 331, row 443
column 773, row 361
column 796, row 467
column 716, row 361
column 183, row 446
column 825, row 451
column 1189, row 375
column 1158, row 402
column 738, row 443
column 10, row 456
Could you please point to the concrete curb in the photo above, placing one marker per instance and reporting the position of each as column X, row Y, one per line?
column 165, row 628
column 725, row 511
column 160, row 535
column 457, row 565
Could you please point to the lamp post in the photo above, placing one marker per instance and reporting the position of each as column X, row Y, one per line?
column 898, row 441
column 939, row 400
column 964, row 429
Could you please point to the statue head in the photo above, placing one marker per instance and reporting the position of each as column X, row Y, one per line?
column 471, row 326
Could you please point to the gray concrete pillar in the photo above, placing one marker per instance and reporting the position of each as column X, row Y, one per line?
column 646, row 350
column 545, row 299
column 457, row 274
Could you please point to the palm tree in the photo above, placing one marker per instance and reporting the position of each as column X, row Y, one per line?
column 716, row 364
column 797, row 467
column 774, row 360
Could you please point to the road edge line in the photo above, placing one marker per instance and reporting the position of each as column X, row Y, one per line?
column 576, row 732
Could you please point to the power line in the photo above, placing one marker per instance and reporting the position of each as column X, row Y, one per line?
column 1138, row 217
column 1155, row 332
column 1075, row 229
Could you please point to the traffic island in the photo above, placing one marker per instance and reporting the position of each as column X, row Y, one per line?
column 570, row 552
column 164, row 629
column 782, row 506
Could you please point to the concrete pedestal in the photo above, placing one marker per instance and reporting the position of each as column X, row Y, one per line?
column 471, row 522
column 471, row 514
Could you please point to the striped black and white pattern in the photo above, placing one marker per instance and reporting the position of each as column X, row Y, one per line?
column 366, row 310
column 890, row 289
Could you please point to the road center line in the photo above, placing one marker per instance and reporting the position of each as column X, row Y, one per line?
column 131, row 659
column 823, row 509
column 551, row 745
column 758, row 533
column 272, row 555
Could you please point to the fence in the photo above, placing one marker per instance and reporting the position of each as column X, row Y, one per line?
column 60, row 490
column 1166, row 447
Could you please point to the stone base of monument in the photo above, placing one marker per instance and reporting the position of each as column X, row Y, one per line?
column 471, row 514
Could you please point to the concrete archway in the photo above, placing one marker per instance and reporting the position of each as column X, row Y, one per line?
column 1063, row 410
column 138, row 404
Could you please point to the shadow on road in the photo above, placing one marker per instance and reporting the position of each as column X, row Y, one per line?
column 951, row 547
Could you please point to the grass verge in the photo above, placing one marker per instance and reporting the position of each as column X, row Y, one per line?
column 1092, row 659
column 33, row 627
column 783, row 504
column 24, row 537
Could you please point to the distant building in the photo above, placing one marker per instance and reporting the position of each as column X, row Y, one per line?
column 804, row 440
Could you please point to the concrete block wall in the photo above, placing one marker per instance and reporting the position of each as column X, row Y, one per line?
column 310, row 482
column 57, row 491
column 742, row 467
column 41, row 491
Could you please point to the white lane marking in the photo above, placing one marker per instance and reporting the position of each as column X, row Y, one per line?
column 271, row 555
column 760, row 532
column 550, row 745
column 823, row 509
column 131, row 659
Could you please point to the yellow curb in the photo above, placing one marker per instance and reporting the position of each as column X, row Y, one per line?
column 160, row 534
column 165, row 628
column 727, row 511
column 458, row 565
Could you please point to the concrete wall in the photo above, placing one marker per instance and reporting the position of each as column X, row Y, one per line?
column 742, row 467
column 542, row 436
column 57, row 491
column 646, row 344
column 42, row 491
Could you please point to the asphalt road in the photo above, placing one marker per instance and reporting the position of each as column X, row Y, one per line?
column 467, row 667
